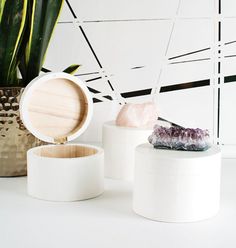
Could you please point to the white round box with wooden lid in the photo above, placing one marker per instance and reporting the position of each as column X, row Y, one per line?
column 176, row 186
column 57, row 108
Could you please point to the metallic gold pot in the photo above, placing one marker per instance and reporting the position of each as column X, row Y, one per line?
column 15, row 139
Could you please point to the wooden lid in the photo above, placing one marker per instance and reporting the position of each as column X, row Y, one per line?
column 56, row 107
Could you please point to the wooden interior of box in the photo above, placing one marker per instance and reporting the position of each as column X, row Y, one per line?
column 65, row 151
column 57, row 108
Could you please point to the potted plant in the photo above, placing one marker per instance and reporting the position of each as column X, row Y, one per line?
column 26, row 27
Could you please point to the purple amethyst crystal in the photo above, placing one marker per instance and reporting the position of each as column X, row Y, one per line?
column 178, row 138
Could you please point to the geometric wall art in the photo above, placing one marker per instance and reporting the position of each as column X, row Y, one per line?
column 179, row 53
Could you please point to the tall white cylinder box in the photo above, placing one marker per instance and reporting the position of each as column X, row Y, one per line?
column 119, row 148
column 57, row 108
column 176, row 186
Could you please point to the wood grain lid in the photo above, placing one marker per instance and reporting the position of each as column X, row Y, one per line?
column 56, row 107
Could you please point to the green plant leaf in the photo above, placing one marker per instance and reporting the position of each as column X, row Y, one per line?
column 42, row 20
column 12, row 22
column 72, row 69
column 2, row 4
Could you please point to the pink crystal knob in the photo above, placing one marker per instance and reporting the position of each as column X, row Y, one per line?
column 142, row 115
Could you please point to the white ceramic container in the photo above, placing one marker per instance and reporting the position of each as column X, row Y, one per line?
column 176, row 186
column 57, row 108
column 119, row 147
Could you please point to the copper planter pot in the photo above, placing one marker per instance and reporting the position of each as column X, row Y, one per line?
column 15, row 139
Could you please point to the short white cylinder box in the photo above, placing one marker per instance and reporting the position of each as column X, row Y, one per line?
column 57, row 108
column 119, row 148
column 176, row 186
column 65, row 172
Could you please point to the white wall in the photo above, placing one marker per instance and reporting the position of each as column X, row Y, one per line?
column 141, row 48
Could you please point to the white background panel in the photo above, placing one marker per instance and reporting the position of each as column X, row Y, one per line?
column 206, row 54
column 103, row 112
column 228, row 36
column 122, row 46
column 67, row 47
column 191, row 35
column 227, row 26
column 65, row 15
column 136, row 79
column 94, row 10
column 140, row 99
column 229, row 49
column 128, row 34
column 100, row 85
column 89, row 76
column 227, row 116
column 229, row 66
column 186, row 72
column 228, row 8
column 96, row 81
column 189, row 107
column 196, row 8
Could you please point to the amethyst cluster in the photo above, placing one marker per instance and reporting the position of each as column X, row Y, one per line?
column 178, row 138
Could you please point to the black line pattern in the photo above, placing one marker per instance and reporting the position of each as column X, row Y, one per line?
column 187, row 61
column 45, row 70
column 219, row 31
column 94, row 54
column 71, row 10
column 173, row 60
column 137, row 67
column 184, row 86
column 110, row 85
column 229, row 79
column 108, row 97
column 136, row 93
column 64, row 22
column 219, row 70
column 93, row 90
column 95, row 100
column 168, row 88
column 190, row 53
column 128, row 20
column 230, row 56
column 92, row 79
column 144, row 19
column 230, row 42
column 163, row 89
column 172, row 123
column 90, row 46
column 89, row 73
column 218, row 115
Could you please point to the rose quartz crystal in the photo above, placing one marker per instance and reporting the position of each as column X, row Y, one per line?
column 137, row 115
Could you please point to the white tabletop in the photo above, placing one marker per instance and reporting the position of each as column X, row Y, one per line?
column 108, row 221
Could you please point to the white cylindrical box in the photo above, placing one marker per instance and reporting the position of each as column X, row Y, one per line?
column 176, row 186
column 119, row 146
column 65, row 172
column 56, row 108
